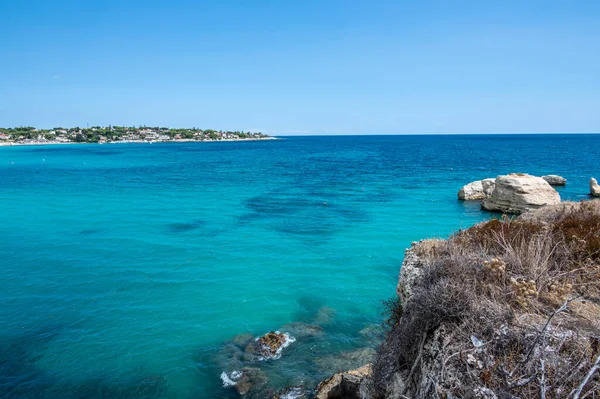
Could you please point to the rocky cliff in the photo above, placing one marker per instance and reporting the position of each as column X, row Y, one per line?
column 505, row 309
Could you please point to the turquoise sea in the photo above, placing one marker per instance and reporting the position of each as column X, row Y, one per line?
column 127, row 268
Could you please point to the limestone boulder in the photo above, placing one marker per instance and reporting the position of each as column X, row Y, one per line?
column 477, row 190
column 594, row 187
column 518, row 193
column 555, row 180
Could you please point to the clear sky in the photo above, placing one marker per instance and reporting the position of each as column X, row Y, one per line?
column 303, row 67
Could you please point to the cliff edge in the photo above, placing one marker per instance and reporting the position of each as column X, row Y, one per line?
column 505, row 309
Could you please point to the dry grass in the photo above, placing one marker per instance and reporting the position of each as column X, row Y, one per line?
column 529, row 288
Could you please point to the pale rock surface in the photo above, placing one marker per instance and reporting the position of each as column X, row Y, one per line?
column 594, row 187
column 477, row 190
column 518, row 193
column 346, row 385
column 555, row 180
column 412, row 267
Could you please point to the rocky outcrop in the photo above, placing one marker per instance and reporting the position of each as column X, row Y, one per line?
column 480, row 317
column 477, row 190
column 412, row 267
column 594, row 187
column 555, row 180
column 518, row 193
column 269, row 346
column 346, row 385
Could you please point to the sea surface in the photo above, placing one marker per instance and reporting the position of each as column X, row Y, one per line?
column 127, row 269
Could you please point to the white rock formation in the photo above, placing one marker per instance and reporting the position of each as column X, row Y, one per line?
column 518, row 193
column 555, row 180
column 594, row 187
column 477, row 190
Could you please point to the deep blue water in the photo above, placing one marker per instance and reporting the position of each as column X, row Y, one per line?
column 126, row 267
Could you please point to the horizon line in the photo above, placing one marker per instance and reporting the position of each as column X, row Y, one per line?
column 425, row 134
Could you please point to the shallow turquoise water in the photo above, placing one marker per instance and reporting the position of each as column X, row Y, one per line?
column 126, row 267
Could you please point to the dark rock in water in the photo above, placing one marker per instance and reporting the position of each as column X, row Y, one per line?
column 270, row 343
column 242, row 340
column 269, row 346
column 325, row 315
column 345, row 385
column 291, row 393
column 346, row 360
column 302, row 330
column 229, row 357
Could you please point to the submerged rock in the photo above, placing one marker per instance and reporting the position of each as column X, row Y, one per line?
column 518, row 193
column 269, row 346
column 477, row 190
column 345, row 385
column 555, row 180
column 325, row 315
column 229, row 357
column 594, row 187
column 346, row 360
column 242, row 340
column 247, row 380
column 373, row 334
column 301, row 330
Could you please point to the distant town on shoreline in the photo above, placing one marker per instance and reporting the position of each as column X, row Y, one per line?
column 112, row 134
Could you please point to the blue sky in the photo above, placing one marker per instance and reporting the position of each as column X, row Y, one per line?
column 303, row 67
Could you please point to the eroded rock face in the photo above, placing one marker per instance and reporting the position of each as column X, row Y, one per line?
column 555, row 180
column 594, row 187
column 345, row 385
column 477, row 190
column 518, row 193
column 412, row 267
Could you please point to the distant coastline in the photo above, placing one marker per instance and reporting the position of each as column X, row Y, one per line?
column 120, row 134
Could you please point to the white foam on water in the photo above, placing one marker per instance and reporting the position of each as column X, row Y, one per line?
column 292, row 393
column 231, row 379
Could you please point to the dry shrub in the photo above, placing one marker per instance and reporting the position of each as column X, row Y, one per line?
column 510, row 283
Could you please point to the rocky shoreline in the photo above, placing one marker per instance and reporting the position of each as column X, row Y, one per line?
column 478, row 316
column 462, row 305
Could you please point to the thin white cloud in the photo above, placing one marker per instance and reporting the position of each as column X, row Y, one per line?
column 56, row 77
